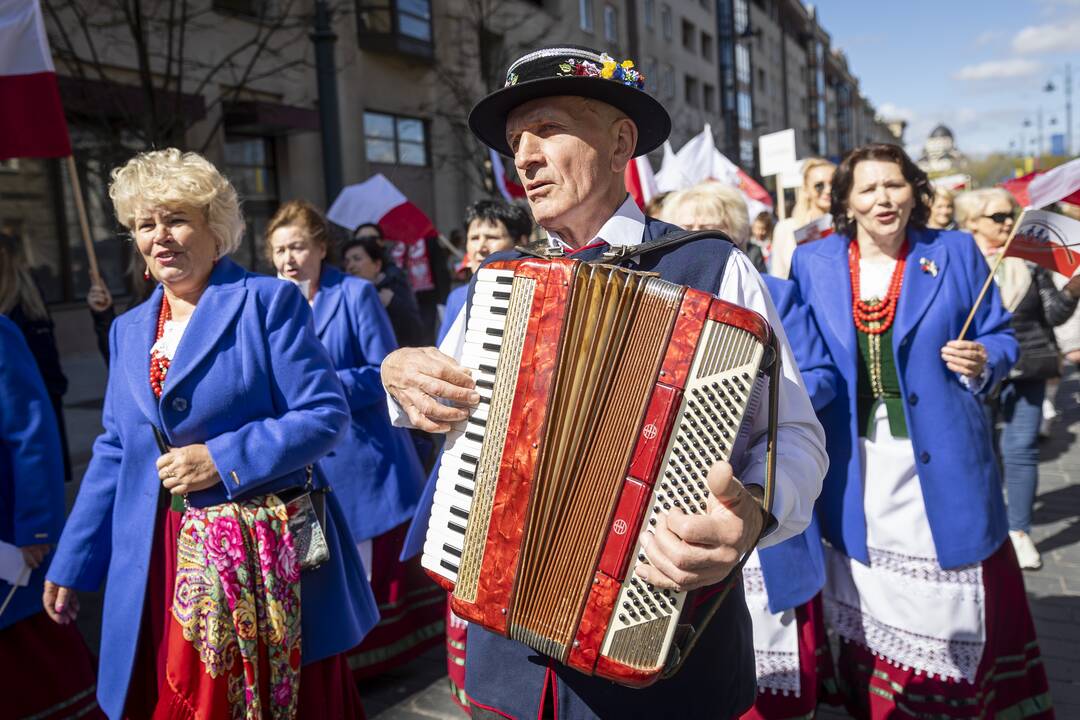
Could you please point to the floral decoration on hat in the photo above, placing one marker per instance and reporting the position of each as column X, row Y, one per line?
column 624, row 72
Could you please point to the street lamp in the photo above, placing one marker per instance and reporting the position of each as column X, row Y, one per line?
column 1050, row 87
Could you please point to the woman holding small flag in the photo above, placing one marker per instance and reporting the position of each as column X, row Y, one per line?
column 1037, row 306
column 922, row 586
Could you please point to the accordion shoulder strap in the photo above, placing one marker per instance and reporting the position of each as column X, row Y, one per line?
column 618, row 253
column 687, row 636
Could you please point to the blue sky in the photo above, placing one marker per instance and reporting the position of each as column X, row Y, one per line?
column 978, row 66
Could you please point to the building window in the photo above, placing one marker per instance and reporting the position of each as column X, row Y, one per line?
column 746, row 111
column 652, row 79
column 746, row 154
column 251, row 8
column 742, row 64
column 742, row 17
column 395, row 140
column 650, row 14
column 585, row 10
column 691, row 91
column 666, row 22
column 611, row 24
column 395, row 25
column 761, row 79
column 669, row 82
column 249, row 163
column 706, row 46
column 688, row 35
column 708, row 97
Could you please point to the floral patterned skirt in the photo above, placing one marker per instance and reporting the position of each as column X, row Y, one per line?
column 171, row 680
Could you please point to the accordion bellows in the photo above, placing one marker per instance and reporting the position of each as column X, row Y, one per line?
column 606, row 396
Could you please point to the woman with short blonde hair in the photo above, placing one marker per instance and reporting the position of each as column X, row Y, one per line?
column 812, row 201
column 942, row 209
column 220, row 389
column 707, row 206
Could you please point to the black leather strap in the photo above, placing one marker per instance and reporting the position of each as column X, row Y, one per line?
column 618, row 253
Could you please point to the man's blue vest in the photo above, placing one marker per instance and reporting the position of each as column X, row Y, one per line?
column 507, row 679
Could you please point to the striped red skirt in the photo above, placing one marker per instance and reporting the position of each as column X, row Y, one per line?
column 52, row 669
column 817, row 679
column 1010, row 681
column 411, row 608
column 168, row 681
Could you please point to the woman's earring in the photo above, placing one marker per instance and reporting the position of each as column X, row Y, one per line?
column 146, row 273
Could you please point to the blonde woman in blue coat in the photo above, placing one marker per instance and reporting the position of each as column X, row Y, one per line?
column 375, row 471
column 220, row 401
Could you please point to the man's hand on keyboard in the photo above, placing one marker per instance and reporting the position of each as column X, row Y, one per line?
column 418, row 378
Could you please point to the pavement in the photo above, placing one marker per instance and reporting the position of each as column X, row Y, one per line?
column 419, row 690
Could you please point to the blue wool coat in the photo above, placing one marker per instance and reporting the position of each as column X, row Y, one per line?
column 250, row 380
column 31, row 466
column 375, row 471
column 794, row 570
column 950, row 435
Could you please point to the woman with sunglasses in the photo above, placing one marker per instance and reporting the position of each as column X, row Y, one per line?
column 922, row 584
column 1037, row 306
column 811, row 202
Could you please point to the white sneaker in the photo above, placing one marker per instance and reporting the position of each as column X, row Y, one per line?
column 1025, row 550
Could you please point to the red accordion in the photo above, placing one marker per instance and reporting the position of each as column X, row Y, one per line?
column 606, row 396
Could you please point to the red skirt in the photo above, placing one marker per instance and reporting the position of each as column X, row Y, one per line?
column 51, row 666
column 1010, row 681
column 456, row 634
column 168, row 681
column 411, row 608
column 817, row 678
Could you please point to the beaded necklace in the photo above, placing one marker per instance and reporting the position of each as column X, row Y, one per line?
column 159, row 364
column 874, row 316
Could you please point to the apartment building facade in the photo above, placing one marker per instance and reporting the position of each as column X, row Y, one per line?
column 406, row 74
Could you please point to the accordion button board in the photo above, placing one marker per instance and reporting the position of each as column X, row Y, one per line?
column 606, row 395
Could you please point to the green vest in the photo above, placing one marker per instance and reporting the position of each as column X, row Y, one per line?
column 878, row 383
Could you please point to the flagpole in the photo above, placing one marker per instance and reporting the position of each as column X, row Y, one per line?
column 990, row 278
column 84, row 222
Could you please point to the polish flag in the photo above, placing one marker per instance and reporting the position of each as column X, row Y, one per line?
column 509, row 189
column 405, row 227
column 1039, row 189
column 640, row 181
column 32, row 120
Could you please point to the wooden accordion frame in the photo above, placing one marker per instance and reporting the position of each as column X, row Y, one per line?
column 606, row 395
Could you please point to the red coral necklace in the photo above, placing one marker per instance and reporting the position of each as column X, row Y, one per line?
column 875, row 317
column 159, row 364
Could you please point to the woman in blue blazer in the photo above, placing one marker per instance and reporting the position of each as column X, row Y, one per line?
column 48, row 663
column 921, row 586
column 375, row 471
column 219, row 394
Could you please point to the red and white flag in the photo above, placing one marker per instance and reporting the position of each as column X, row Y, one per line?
column 509, row 189
column 640, row 181
column 815, row 230
column 32, row 120
column 405, row 227
column 1048, row 239
column 1041, row 188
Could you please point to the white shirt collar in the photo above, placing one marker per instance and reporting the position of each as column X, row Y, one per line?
column 625, row 227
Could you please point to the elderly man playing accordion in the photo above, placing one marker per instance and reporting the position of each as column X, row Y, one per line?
column 572, row 119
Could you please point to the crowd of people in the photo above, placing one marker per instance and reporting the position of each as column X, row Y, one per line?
column 257, row 502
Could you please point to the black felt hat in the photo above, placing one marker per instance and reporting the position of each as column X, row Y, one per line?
column 571, row 70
